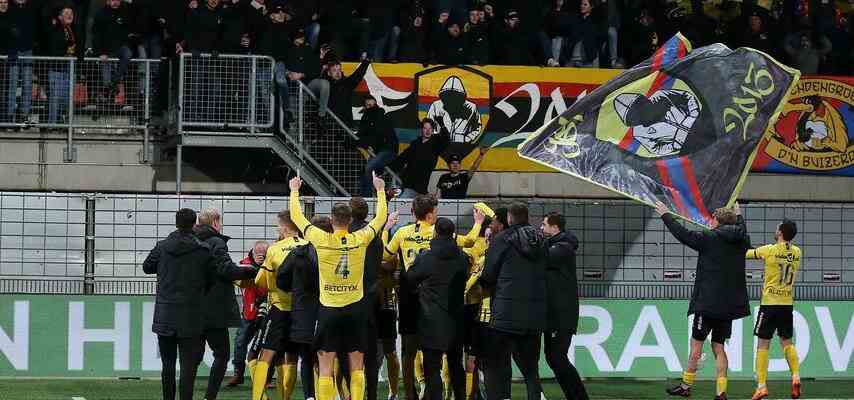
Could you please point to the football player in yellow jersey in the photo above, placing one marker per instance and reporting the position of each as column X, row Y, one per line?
column 275, row 337
column 782, row 261
column 342, row 318
column 405, row 245
column 473, row 301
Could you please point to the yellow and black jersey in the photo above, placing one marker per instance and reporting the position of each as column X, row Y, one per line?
column 266, row 278
column 412, row 239
column 474, row 293
column 341, row 255
column 782, row 261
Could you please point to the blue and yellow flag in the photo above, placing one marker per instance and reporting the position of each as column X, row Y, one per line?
column 681, row 128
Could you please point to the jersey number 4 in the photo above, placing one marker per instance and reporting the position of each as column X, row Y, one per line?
column 343, row 268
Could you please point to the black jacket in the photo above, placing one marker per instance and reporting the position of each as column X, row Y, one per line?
column 562, row 284
column 376, row 130
column 25, row 21
column 60, row 42
column 477, row 44
column 720, row 286
column 417, row 162
column 512, row 47
column 305, row 60
column 203, row 30
column 111, row 29
column 450, row 50
column 273, row 39
column 186, row 267
column 6, row 42
column 220, row 305
column 300, row 266
column 373, row 259
column 233, row 27
column 341, row 93
column 515, row 273
column 439, row 276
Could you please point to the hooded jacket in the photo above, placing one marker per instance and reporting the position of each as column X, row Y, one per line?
column 515, row 273
column 252, row 296
column 416, row 163
column 562, row 283
column 439, row 276
column 301, row 269
column 220, row 305
column 720, row 286
column 186, row 268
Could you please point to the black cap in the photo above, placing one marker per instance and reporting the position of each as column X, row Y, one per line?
column 454, row 157
column 511, row 14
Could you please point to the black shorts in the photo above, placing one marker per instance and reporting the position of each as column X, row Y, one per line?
column 471, row 326
column 721, row 329
column 386, row 324
column 408, row 314
column 484, row 341
column 276, row 332
column 342, row 329
column 774, row 318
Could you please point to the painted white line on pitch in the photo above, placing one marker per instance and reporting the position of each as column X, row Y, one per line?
column 77, row 398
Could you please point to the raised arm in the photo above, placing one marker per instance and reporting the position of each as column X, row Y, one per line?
column 470, row 238
column 476, row 165
column 382, row 206
column 758, row 254
column 687, row 237
column 295, row 207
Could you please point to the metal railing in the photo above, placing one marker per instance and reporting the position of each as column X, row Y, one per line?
column 77, row 96
column 225, row 93
column 326, row 142
column 95, row 244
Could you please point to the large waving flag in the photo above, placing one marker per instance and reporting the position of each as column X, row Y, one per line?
column 681, row 128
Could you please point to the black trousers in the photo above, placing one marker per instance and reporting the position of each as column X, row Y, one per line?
column 217, row 339
column 306, row 372
column 433, row 372
column 190, row 350
column 557, row 347
column 372, row 366
column 525, row 350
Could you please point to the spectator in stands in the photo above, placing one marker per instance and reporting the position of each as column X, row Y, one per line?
column 755, row 35
column 382, row 14
column 303, row 64
column 235, row 32
column 113, row 35
column 613, row 18
column 345, row 28
column 376, row 132
column 185, row 268
column 450, row 45
column 158, row 21
column 272, row 38
column 61, row 42
column 455, row 183
column 511, row 45
column 417, row 162
column 589, row 32
column 806, row 50
column 476, row 34
column 203, row 29
column 643, row 32
column 21, row 42
column 219, row 305
column 414, row 33
column 558, row 26
column 341, row 88
column 253, row 297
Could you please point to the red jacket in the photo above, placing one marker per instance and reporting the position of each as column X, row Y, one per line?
column 252, row 296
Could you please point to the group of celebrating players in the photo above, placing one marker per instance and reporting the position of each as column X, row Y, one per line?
column 340, row 289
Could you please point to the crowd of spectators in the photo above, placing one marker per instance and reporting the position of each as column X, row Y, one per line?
column 308, row 38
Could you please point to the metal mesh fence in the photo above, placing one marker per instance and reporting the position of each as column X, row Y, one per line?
column 56, row 92
column 625, row 251
column 325, row 138
column 227, row 93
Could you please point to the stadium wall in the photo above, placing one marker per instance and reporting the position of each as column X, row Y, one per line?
column 110, row 336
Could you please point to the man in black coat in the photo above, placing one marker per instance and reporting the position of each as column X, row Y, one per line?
column 416, row 163
column 186, row 268
column 376, row 132
column 720, row 288
column 303, row 64
column 515, row 273
column 562, row 304
column 21, row 39
column 341, row 88
column 439, row 274
column 220, row 306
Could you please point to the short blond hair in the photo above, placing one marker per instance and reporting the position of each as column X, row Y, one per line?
column 209, row 216
column 725, row 216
